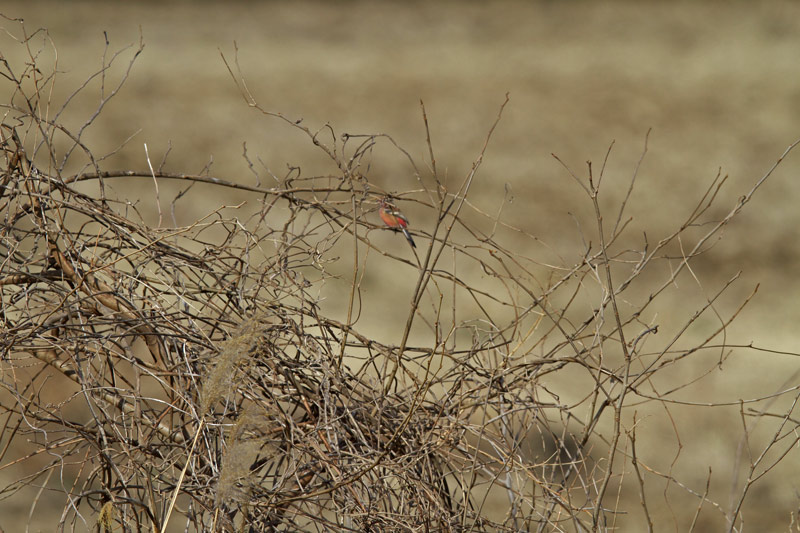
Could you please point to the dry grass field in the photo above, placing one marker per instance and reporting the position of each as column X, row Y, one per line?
column 717, row 84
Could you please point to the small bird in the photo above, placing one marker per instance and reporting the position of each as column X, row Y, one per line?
column 395, row 219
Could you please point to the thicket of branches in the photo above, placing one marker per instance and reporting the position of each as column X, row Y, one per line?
column 189, row 377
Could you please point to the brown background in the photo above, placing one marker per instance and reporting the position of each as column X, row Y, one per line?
column 718, row 83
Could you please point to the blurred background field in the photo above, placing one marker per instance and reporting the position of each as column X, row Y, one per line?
column 717, row 82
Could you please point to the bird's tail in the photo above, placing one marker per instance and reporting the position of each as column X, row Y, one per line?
column 408, row 236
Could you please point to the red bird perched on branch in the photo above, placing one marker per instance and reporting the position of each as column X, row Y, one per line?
column 395, row 219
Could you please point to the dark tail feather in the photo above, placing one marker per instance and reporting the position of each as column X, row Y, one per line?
column 408, row 236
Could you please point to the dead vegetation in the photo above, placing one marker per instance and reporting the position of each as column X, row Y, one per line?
column 189, row 375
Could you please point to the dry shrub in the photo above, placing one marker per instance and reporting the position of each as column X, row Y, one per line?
column 206, row 386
